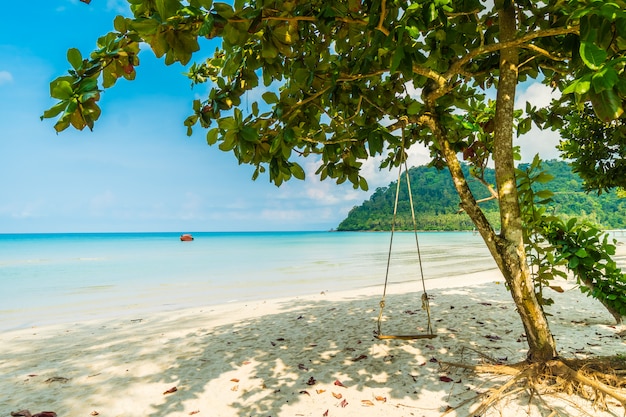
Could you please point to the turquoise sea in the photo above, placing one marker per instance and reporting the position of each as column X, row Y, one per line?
column 51, row 278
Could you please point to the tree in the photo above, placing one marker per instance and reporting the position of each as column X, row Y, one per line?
column 598, row 149
column 347, row 80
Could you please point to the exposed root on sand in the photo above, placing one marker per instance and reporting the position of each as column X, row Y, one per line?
column 595, row 380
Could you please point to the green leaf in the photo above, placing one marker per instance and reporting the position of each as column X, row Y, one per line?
column 524, row 126
column 580, row 86
column 397, row 58
column 145, row 26
column 227, row 123
column 414, row 108
column 206, row 4
column 54, row 110
column 61, row 89
column 592, row 55
column 75, row 58
column 211, row 136
column 87, row 85
column 269, row 50
column 63, row 123
column 270, row 97
column 582, row 253
column 249, row 134
column 167, row 8
column 607, row 105
column 276, row 142
column 604, row 79
column 230, row 141
column 297, row 171
column 108, row 77
column 224, row 9
column 545, row 194
column 120, row 24
column 363, row 184
column 207, row 25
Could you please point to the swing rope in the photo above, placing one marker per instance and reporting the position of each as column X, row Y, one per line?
column 425, row 302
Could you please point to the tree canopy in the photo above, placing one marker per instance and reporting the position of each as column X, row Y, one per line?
column 347, row 80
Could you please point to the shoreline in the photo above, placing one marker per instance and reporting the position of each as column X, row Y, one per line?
column 306, row 355
column 51, row 280
column 370, row 291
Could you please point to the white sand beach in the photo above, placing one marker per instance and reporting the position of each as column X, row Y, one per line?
column 303, row 356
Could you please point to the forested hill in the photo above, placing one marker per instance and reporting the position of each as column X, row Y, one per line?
column 437, row 203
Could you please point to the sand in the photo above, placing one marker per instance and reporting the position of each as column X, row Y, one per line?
column 302, row 356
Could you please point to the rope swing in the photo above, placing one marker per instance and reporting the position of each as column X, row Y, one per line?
column 425, row 304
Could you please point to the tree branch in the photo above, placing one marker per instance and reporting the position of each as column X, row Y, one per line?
column 455, row 68
column 383, row 14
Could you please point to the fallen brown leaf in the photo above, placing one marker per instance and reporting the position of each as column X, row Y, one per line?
column 305, row 392
column 234, row 380
column 343, row 403
column 337, row 395
column 381, row 399
column 367, row 403
column 360, row 357
column 171, row 390
column 191, row 413
column 24, row 413
column 445, row 379
column 320, row 391
column 94, row 413
column 325, row 414
column 311, row 381
column 61, row 379
column 235, row 388
column 338, row 383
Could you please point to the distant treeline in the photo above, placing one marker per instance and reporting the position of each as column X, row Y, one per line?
column 437, row 203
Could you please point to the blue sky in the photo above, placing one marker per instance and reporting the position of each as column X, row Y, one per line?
column 138, row 171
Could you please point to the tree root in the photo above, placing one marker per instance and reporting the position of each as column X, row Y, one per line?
column 592, row 379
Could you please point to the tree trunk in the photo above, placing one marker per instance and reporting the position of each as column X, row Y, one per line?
column 616, row 314
column 507, row 248
column 510, row 246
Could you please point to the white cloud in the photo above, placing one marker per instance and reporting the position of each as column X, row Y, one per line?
column 5, row 77
column 412, row 91
column 542, row 142
column 537, row 141
column 537, row 94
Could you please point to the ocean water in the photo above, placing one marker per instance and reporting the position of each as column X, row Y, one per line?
column 50, row 278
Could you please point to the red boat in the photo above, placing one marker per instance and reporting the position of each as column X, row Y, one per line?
column 186, row 237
